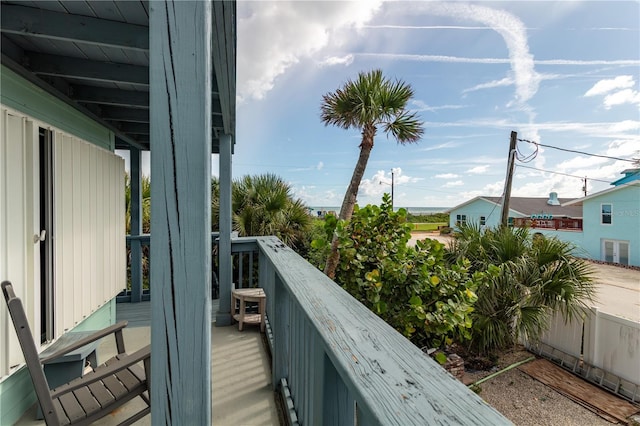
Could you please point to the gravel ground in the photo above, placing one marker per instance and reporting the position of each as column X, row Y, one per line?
column 526, row 401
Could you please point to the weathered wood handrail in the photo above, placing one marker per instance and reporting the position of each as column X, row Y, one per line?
column 343, row 364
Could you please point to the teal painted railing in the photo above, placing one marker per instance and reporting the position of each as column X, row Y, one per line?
column 245, row 263
column 340, row 364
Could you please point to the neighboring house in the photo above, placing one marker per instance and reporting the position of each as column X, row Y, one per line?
column 603, row 226
column 485, row 211
column 612, row 223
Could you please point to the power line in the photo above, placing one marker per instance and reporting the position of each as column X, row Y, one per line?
column 577, row 152
column 564, row 174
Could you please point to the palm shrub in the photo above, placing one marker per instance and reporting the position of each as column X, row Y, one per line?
column 264, row 205
column 411, row 288
column 528, row 280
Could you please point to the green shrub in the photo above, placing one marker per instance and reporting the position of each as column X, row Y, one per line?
column 411, row 288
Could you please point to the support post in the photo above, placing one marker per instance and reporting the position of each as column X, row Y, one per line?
column 135, row 201
column 504, row 219
column 180, row 113
column 223, row 316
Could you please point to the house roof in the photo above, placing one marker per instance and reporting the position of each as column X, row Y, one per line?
column 630, row 175
column 527, row 206
column 94, row 56
column 579, row 201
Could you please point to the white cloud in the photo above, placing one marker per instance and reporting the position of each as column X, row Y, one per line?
column 478, row 170
column 273, row 36
column 337, row 60
column 507, row 81
column 320, row 166
column 420, row 106
column 453, row 183
column 605, row 86
column 626, row 96
column 447, row 176
column 380, row 182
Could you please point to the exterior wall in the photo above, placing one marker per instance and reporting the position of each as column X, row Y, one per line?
column 574, row 237
column 89, row 228
column 16, row 390
column 19, row 94
column 478, row 208
column 625, row 222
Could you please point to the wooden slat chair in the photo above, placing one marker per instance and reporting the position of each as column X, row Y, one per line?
column 97, row 393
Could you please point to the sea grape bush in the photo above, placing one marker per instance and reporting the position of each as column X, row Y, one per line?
column 411, row 288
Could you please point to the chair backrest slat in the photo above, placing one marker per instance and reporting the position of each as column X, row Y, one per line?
column 30, row 352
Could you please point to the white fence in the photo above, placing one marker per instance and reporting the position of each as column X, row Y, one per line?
column 601, row 347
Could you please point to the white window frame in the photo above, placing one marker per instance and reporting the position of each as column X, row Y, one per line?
column 610, row 214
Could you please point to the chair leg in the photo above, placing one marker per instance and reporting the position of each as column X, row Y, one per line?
column 242, row 309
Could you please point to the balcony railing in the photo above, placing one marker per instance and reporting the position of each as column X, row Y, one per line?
column 335, row 361
column 557, row 224
column 342, row 364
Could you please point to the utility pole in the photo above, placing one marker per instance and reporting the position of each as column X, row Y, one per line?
column 584, row 188
column 504, row 219
column 391, row 189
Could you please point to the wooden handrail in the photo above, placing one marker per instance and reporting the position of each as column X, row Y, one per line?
column 342, row 362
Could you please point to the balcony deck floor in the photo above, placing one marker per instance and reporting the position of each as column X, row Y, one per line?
column 241, row 374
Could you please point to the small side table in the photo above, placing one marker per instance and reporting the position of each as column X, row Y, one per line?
column 69, row 366
column 243, row 295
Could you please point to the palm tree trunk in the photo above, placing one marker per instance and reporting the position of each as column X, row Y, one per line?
column 350, row 197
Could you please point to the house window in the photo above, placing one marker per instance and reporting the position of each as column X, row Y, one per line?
column 606, row 214
column 483, row 220
column 461, row 219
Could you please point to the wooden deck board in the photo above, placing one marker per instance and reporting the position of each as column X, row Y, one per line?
column 139, row 314
column 601, row 402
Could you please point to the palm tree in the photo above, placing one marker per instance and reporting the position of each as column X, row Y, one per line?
column 528, row 279
column 264, row 205
column 370, row 101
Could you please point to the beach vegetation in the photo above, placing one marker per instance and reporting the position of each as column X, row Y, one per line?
column 368, row 103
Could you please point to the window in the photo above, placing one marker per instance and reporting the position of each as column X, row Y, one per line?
column 606, row 214
column 483, row 220
column 461, row 219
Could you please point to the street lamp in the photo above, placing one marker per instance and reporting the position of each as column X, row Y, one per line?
column 381, row 182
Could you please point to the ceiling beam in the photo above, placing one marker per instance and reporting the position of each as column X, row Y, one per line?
column 116, row 97
column 36, row 22
column 64, row 66
column 134, row 128
column 130, row 115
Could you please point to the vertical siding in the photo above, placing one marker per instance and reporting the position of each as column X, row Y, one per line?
column 89, row 222
column 13, row 227
column 89, row 229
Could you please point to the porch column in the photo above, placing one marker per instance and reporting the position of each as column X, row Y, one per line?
column 223, row 316
column 180, row 112
column 136, row 224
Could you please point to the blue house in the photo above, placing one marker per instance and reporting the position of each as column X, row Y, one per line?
column 611, row 221
column 603, row 226
column 81, row 79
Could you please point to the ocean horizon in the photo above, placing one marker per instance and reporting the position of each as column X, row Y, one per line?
column 413, row 210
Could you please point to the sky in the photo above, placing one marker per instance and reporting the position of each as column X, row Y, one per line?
column 563, row 74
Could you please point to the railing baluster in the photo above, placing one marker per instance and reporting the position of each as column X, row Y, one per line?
column 250, row 269
column 338, row 403
column 280, row 324
column 240, row 269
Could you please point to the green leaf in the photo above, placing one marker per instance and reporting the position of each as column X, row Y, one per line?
column 415, row 301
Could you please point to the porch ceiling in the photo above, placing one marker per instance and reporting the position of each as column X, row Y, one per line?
column 94, row 55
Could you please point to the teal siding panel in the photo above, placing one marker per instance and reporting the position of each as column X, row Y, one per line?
column 16, row 396
column 625, row 221
column 20, row 94
column 474, row 210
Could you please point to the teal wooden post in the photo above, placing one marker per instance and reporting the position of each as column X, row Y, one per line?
column 136, row 224
column 223, row 316
column 180, row 101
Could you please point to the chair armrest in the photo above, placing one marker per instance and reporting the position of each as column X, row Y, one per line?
column 103, row 371
column 84, row 341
